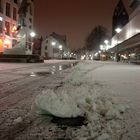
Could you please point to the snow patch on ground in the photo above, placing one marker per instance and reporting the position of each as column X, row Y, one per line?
column 80, row 96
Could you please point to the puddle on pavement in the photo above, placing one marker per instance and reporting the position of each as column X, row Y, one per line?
column 43, row 73
column 54, row 70
column 32, row 74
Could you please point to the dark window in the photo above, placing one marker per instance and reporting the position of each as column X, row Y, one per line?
column 1, row 28
column 7, row 27
column 8, row 9
column 30, row 20
column 0, row 6
column 14, row 13
column 31, row 10
column 30, row 27
column 15, row 1
column 46, row 47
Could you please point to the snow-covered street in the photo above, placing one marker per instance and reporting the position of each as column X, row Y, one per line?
column 106, row 92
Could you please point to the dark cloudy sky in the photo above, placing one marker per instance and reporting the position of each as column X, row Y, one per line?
column 75, row 18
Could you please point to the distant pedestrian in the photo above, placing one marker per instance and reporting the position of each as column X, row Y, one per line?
column 118, row 58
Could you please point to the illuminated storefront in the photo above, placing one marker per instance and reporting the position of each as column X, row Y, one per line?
column 1, row 44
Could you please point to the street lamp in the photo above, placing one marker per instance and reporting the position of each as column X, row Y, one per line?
column 60, row 47
column 32, row 34
column 107, row 46
column 101, row 47
column 53, row 43
column 118, row 30
column 1, row 18
column 106, row 42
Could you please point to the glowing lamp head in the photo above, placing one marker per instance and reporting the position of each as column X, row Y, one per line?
column 106, row 41
column 60, row 47
column 1, row 18
column 14, row 29
column 101, row 47
column 32, row 34
column 53, row 43
column 118, row 30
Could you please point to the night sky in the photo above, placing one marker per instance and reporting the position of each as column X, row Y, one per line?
column 75, row 18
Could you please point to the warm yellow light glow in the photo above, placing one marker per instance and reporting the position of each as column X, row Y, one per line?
column 7, row 43
column 1, row 45
column 14, row 29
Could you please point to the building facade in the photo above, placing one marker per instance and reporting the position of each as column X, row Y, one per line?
column 127, row 43
column 10, row 22
column 135, row 6
column 55, row 46
column 120, row 17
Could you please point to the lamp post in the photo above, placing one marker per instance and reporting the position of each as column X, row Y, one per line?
column 118, row 30
column 102, row 48
column 32, row 35
column 106, row 55
column 53, row 43
column 106, row 42
column 61, row 49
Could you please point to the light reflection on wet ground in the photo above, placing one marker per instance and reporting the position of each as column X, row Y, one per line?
column 53, row 70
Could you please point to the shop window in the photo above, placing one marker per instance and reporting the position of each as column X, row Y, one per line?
column 8, row 8
column 14, row 13
column 1, row 45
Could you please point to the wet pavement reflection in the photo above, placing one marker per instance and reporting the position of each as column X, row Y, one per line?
column 53, row 70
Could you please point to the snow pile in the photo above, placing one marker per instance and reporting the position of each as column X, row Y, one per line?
column 58, row 104
column 80, row 74
column 80, row 96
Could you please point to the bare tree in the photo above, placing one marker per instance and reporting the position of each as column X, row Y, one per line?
column 96, row 37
